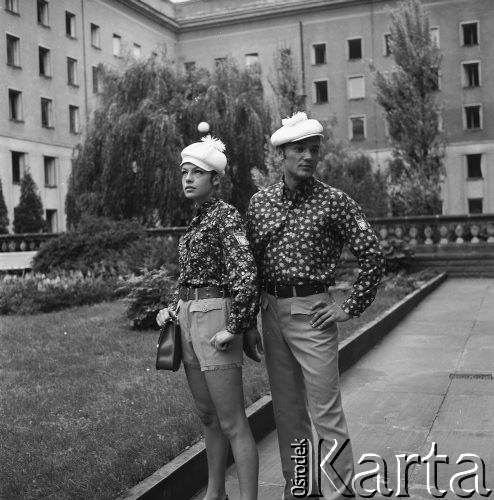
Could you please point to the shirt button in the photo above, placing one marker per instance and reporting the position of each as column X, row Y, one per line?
column 205, row 308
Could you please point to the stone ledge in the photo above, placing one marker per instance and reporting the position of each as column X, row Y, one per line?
column 183, row 476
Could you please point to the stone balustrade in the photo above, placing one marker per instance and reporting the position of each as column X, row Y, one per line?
column 419, row 231
column 436, row 230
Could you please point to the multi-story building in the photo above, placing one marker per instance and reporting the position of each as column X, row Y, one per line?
column 49, row 56
column 52, row 48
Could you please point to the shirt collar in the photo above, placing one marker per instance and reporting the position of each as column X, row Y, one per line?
column 206, row 205
column 203, row 209
column 302, row 191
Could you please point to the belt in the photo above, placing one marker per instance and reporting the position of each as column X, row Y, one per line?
column 286, row 291
column 204, row 292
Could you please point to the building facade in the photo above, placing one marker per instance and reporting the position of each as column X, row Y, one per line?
column 50, row 52
column 49, row 85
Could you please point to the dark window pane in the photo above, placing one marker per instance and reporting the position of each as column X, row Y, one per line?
column 472, row 117
column 474, row 163
column 320, row 53
column 358, row 131
column 472, row 78
column 475, row 206
column 355, row 48
column 470, row 34
column 321, row 91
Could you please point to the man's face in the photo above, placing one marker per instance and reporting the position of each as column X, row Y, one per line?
column 301, row 158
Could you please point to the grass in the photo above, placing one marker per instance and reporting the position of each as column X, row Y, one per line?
column 84, row 413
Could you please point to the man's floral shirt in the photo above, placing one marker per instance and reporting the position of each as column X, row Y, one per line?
column 215, row 251
column 297, row 237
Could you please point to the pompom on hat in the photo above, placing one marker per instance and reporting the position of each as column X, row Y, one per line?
column 207, row 154
column 296, row 128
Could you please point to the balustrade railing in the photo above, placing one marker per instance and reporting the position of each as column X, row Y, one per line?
column 437, row 230
column 419, row 231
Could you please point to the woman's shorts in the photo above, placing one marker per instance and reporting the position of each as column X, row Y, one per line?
column 199, row 321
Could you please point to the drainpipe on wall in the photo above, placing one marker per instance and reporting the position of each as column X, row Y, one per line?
column 86, row 112
column 302, row 60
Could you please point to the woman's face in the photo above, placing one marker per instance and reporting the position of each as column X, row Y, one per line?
column 197, row 183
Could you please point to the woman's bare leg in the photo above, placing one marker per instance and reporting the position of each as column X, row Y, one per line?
column 216, row 441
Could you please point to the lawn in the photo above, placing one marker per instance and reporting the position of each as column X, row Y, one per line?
column 84, row 414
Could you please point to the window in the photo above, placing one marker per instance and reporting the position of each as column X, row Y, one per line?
column 51, row 220
column 474, row 166
column 74, row 124
column 69, row 24
column 252, row 60
column 321, row 91
column 13, row 51
column 219, row 61
column 49, row 163
column 15, row 105
column 356, row 87
column 190, row 66
column 43, row 13
column 472, row 117
column 46, row 113
column 475, row 206
column 319, row 53
column 434, row 36
column 357, row 128
column 136, row 50
column 44, row 61
column 95, row 36
column 117, row 45
column 12, row 6
column 470, row 35
column 96, row 80
column 18, row 166
column 471, row 74
column 354, row 49
column 434, row 79
column 387, row 46
column 71, row 71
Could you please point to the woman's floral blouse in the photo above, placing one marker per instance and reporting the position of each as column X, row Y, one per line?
column 215, row 251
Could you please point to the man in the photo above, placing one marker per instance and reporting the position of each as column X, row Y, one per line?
column 297, row 229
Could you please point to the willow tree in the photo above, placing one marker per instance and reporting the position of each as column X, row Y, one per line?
column 408, row 95
column 128, row 165
column 236, row 110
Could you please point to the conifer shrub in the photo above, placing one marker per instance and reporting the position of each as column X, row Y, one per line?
column 28, row 214
column 4, row 214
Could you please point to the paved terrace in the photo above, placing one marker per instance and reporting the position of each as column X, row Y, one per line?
column 429, row 380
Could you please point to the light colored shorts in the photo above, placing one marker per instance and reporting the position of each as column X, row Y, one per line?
column 199, row 321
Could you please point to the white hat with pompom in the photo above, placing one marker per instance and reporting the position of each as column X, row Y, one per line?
column 207, row 154
column 296, row 128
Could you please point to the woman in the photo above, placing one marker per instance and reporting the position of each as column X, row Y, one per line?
column 216, row 302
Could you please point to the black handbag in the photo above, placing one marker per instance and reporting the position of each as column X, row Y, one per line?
column 169, row 355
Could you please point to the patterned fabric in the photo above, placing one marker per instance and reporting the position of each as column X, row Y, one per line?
column 215, row 251
column 297, row 237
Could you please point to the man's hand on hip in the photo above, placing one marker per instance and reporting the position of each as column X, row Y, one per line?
column 325, row 314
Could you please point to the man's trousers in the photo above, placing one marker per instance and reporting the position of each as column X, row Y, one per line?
column 302, row 364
